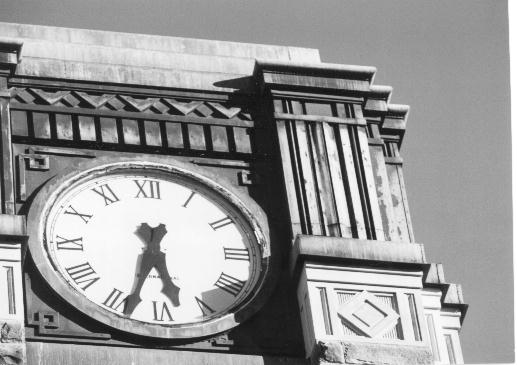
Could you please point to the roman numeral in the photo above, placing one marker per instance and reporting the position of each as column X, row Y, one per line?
column 85, row 217
column 69, row 244
column 229, row 284
column 148, row 189
column 236, row 254
column 81, row 274
column 189, row 199
column 221, row 223
column 113, row 302
column 107, row 194
column 164, row 311
column 205, row 309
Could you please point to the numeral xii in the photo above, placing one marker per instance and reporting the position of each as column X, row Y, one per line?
column 148, row 189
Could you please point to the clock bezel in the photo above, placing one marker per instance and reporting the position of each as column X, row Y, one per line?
column 250, row 217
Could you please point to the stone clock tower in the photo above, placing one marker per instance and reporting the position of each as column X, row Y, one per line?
column 183, row 201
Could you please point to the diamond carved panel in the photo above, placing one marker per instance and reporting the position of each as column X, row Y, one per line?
column 367, row 315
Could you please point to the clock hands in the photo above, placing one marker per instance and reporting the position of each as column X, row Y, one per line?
column 152, row 257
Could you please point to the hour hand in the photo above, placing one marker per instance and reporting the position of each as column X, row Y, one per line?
column 134, row 299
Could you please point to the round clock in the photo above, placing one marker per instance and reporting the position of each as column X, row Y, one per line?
column 151, row 248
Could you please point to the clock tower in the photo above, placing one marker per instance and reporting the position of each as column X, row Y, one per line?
column 174, row 200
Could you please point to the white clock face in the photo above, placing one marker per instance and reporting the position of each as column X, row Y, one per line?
column 152, row 248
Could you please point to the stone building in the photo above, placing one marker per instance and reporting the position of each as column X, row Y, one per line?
column 173, row 200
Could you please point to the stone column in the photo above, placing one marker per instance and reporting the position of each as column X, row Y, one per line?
column 365, row 291
column 12, row 227
column 12, row 239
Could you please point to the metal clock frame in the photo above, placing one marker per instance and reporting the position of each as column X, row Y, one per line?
column 248, row 214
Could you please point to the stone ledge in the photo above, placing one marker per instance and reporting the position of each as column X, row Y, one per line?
column 10, row 54
column 339, row 249
column 84, row 354
column 12, row 227
column 156, row 42
column 348, row 352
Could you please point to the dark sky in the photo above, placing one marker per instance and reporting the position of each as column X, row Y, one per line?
column 447, row 59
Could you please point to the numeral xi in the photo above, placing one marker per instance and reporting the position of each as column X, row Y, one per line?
column 107, row 194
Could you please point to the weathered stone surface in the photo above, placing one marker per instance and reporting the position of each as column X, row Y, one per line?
column 11, row 331
column 158, row 43
column 150, row 60
column 366, row 353
column 386, row 354
column 331, row 352
column 349, row 248
column 12, row 347
column 45, row 353
column 11, row 354
column 12, row 225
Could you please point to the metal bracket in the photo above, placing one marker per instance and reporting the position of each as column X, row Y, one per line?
column 222, row 340
column 29, row 162
column 47, row 323
column 37, row 159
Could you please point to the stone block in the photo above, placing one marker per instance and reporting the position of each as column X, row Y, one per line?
column 12, row 226
column 12, row 346
column 369, row 353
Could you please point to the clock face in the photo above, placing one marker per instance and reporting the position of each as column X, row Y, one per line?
column 152, row 247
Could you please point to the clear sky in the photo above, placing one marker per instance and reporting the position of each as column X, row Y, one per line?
column 447, row 59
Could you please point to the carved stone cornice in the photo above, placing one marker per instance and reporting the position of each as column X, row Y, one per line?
column 10, row 55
